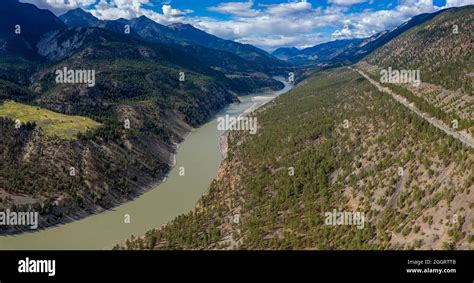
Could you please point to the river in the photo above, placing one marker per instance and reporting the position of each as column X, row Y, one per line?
column 200, row 157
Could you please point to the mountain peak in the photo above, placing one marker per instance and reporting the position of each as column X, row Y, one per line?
column 180, row 26
column 79, row 18
column 144, row 19
column 78, row 12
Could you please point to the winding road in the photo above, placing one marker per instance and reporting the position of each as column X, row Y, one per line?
column 467, row 140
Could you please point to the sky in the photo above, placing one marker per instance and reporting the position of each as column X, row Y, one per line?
column 268, row 24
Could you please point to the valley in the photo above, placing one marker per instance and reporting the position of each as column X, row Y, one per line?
column 427, row 204
column 147, row 95
column 145, row 132
column 161, row 202
column 343, row 140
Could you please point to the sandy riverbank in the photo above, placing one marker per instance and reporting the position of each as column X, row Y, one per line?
column 257, row 103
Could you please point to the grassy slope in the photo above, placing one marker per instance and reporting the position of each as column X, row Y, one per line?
column 53, row 124
column 352, row 169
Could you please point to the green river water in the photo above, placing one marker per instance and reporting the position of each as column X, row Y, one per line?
column 200, row 156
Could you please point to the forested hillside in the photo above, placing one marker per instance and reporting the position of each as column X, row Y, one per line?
column 441, row 49
column 352, row 148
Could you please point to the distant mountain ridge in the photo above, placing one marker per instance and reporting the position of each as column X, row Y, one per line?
column 246, row 51
column 24, row 53
column 318, row 53
column 285, row 53
column 80, row 18
column 349, row 51
column 177, row 34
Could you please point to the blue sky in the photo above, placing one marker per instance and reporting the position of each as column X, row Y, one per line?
column 268, row 24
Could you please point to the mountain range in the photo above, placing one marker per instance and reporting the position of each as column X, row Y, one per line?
column 184, row 35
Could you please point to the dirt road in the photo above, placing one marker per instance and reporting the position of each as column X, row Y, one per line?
column 467, row 140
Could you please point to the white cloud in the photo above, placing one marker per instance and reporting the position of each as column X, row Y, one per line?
column 290, row 23
column 59, row 7
column 114, row 9
column 291, row 8
column 242, row 9
column 367, row 23
column 174, row 13
column 457, row 3
column 346, row 2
